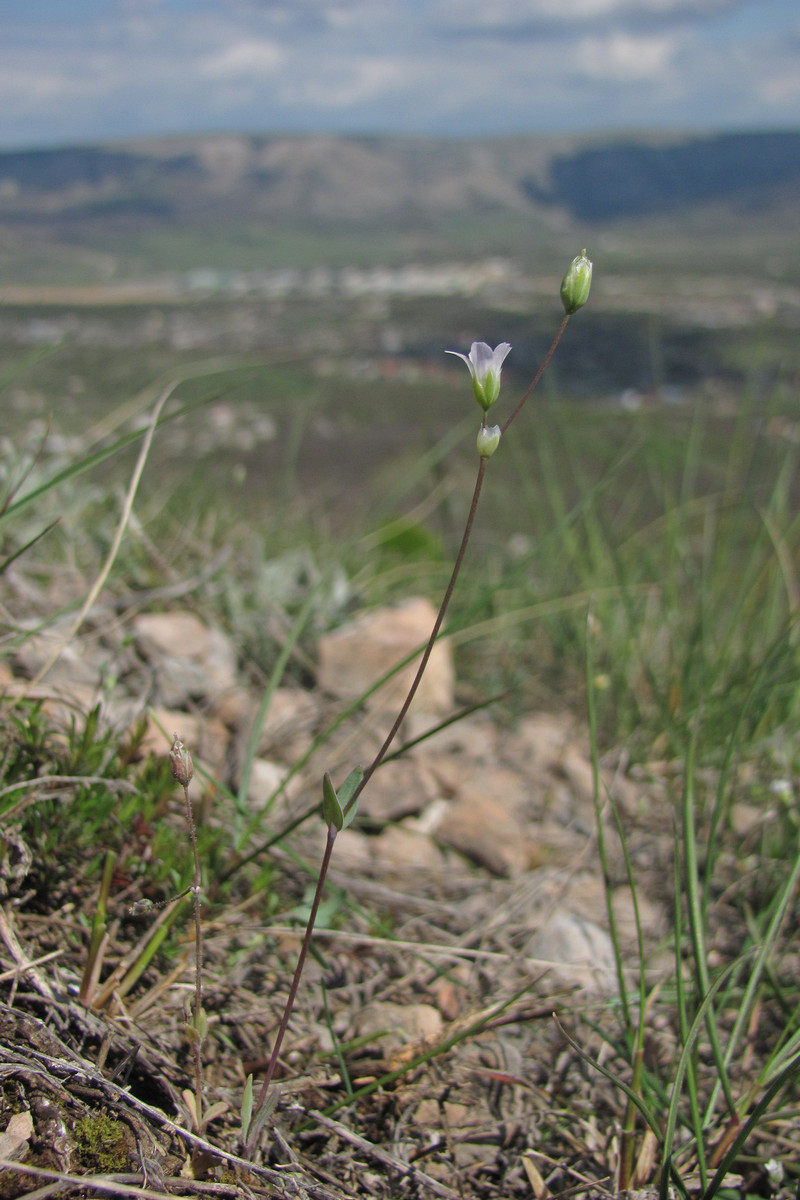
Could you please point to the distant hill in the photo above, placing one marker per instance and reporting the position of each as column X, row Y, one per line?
column 373, row 179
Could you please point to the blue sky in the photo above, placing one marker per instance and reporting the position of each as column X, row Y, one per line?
column 87, row 70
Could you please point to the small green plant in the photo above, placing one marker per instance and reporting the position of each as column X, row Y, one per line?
column 103, row 1143
column 339, row 805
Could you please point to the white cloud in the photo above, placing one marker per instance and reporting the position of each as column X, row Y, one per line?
column 444, row 66
column 478, row 16
column 781, row 89
column 625, row 57
column 241, row 59
column 347, row 85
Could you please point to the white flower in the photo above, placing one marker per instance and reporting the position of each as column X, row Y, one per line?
column 484, row 366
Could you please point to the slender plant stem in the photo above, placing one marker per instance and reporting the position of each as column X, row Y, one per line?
column 391, row 735
column 543, row 365
column 437, row 625
column 370, row 771
column 197, row 1036
column 298, row 971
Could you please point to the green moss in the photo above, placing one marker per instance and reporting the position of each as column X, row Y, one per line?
column 102, row 1143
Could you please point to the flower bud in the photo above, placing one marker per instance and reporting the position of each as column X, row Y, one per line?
column 180, row 761
column 576, row 284
column 488, row 440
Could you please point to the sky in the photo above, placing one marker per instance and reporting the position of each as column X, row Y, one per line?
column 76, row 71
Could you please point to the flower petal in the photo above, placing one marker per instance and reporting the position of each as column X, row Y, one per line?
column 458, row 354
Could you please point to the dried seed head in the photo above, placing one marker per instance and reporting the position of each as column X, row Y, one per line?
column 180, row 761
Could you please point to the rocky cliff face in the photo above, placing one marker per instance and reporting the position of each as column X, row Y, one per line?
column 331, row 178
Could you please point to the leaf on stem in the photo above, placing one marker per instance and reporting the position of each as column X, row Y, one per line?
column 335, row 808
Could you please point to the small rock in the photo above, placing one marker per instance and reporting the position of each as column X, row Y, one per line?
column 181, row 634
column 483, row 830
column 399, row 789
column 401, row 851
column 232, row 707
column 541, row 738
column 265, row 779
column 82, row 661
column 190, row 660
column 394, row 1025
column 746, row 818
column 580, row 775
column 579, row 953
column 206, row 741
column 285, row 733
column 353, row 853
column 352, row 658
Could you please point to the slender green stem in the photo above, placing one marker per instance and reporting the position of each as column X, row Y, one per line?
column 391, row 735
column 437, row 625
column 543, row 365
column 197, row 1038
column 298, row 971
column 696, row 923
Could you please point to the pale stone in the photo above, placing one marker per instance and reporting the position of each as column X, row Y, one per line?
column 576, row 952
column 394, row 1025
column 265, row 779
column 473, row 736
column 80, row 661
column 746, row 818
column 542, row 738
column 652, row 916
column 290, row 717
column 482, row 829
column 580, row 775
column 182, row 634
column 190, row 660
column 427, row 1114
column 232, row 706
column 353, row 658
column 401, row 851
column 399, row 789
column 353, row 852
column 206, row 741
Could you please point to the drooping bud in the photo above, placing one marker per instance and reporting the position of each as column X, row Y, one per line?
column 180, row 761
column 488, row 440
column 576, row 284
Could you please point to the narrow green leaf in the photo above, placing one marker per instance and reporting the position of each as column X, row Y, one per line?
column 350, row 784
column 331, row 808
column 264, row 1113
column 346, row 792
column 350, row 814
column 247, row 1107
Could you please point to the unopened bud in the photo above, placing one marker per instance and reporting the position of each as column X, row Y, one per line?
column 576, row 284
column 488, row 440
column 180, row 761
